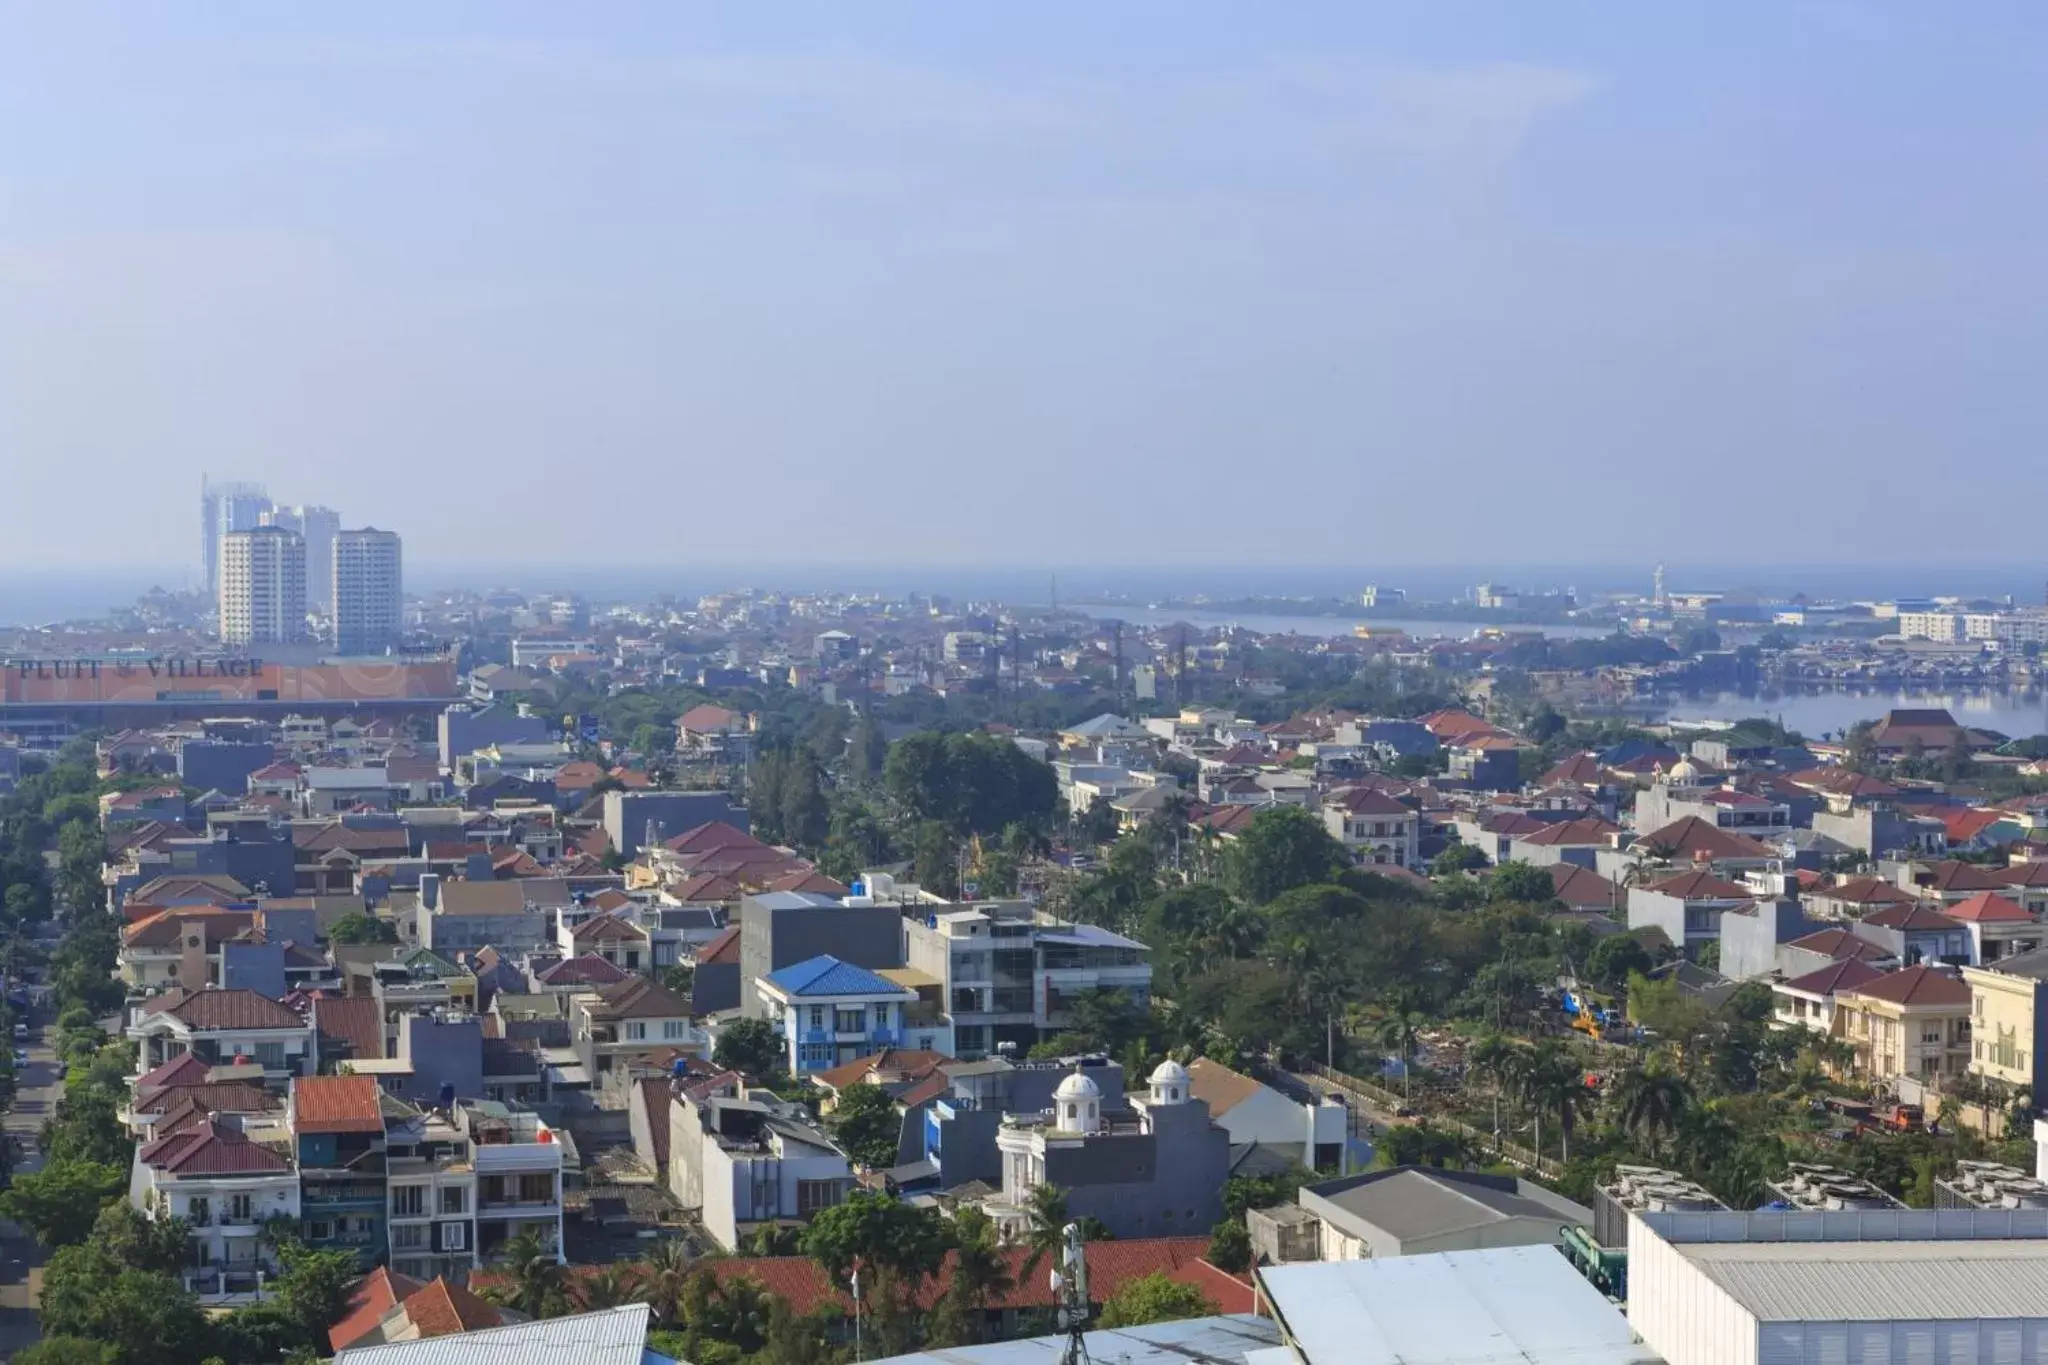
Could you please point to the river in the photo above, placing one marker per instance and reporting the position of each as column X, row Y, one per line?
column 1323, row 625
column 1831, row 712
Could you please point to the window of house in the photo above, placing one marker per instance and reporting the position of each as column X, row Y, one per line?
column 632, row 959
column 408, row 1201
column 454, row 1237
column 199, row 1212
column 241, row 1209
column 453, row 1200
column 270, row 1056
column 536, row 1189
column 812, row 1195
column 675, row 1028
column 319, row 1231
column 850, row 1021
column 817, row 1016
column 635, row 1030
column 409, row 1236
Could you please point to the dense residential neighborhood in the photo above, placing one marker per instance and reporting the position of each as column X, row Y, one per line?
column 665, row 972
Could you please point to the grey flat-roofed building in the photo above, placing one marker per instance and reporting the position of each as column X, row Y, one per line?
column 782, row 928
column 1416, row 1209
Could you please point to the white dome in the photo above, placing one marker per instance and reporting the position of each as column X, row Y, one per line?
column 1684, row 768
column 1077, row 1087
column 1169, row 1072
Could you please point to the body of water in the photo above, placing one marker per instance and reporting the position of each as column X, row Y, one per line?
column 1819, row 713
column 1321, row 625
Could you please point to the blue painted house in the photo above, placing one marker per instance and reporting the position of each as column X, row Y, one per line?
column 831, row 1012
column 337, row 1125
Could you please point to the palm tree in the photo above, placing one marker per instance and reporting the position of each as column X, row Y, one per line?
column 534, row 1277
column 663, row 1273
column 1492, row 1056
column 1650, row 1105
column 981, row 1271
column 1399, row 1032
column 608, row 1287
column 1552, row 1079
column 1046, row 1232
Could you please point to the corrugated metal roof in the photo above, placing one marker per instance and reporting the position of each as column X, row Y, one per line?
column 1191, row 1341
column 1878, row 1281
column 616, row 1336
column 1525, row 1305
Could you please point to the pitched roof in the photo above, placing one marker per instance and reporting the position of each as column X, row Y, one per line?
column 2033, row 872
column 1988, row 907
column 1591, row 830
column 1111, row 1265
column 1699, row 886
column 586, row 970
column 639, row 997
column 1952, row 875
column 440, row 1309
column 724, row 948
column 184, row 1069
column 654, row 1094
column 357, row 1021
column 1579, row 770
column 826, row 975
column 1844, row 974
column 1694, row 838
column 1221, row 1088
column 708, row 718
column 205, row 1147
column 1918, row 915
column 215, row 1008
column 705, row 838
column 902, row 1063
column 1841, row 943
column 1366, row 801
column 216, row 1097
column 1921, row 985
column 1863, row 891
column 336, row 1104
column 608, row 929
column 376, row 1294
column 1582, row 886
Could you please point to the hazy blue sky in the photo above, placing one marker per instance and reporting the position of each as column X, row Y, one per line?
column 1319, row 282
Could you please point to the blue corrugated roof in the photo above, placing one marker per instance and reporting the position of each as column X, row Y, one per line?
column 827, row 975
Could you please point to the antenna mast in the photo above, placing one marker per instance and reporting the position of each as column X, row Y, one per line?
column 1070, row 1292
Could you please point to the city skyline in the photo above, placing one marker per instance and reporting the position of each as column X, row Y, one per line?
column 1485, row 286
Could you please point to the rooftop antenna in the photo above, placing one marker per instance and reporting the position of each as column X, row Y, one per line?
column 1055, row 594
column 1070, row 1292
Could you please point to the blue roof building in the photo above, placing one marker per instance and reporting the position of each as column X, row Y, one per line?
column 831, row 1012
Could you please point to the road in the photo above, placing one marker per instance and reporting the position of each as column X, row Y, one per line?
column 21, row 1260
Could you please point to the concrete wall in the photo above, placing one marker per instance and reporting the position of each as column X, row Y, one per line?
column 1749, row 940
column 626, row 815
column 868, row 936
column 214, row 764
column 258, row 967
column 450, row 1051
column 463, row 730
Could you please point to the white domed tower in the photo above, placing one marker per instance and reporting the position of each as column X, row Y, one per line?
column 1077, row 1105
column 1169, row 1083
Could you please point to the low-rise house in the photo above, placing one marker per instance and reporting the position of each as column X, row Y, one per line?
column 337, row 1125
column 714, row 734
column 1575, row 842
column 517, row 915
column 431, row 1179
column 1808, row 1001
column 1412, row 1211
column 388, row 1309
column 1687, row 908
column 745, row 1160
column 519, row 1160
column 1912, row 1022
column 1917, row 933
column 1853, row 898
column 830, row 1012
column 2009, row 1020
column 1835, row 943
column 1949, row 881
column 223, row 1028
column 1373, row 827
column 1998, row 927
column 226, row 1188
column 1312, row 1133
column 1698, row 842
column 614, row 938
column 628, row 1021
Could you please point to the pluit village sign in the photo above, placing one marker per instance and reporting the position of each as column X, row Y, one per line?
column 162, row 667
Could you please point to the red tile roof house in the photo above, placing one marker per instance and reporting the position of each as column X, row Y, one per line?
column 1999, row 927
column 225, row 1028
column 225, row 1187
column 1809, row 1001
column 1917, row 933
column 801, row 1283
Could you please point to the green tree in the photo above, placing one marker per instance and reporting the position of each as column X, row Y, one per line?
column 311, row 1292
column 664, row 1273
column 1230, row 1247
column 1422, row 1144
column 535, row 1284
column 1154, row 1298
column 145, row 1243
column 1455, row 859
column 607, row 1286
column 68, row 1351
column 1045, row 1231
column 1283, row 847
column 873, row 1231
column 357, row 927
column 867, row 1125
column 147, row 1318
column 1650, row 1106
column 750, row 1046
column 1613, row 958
column 1519, row 881
column 61, row 1202
column 980, row 1275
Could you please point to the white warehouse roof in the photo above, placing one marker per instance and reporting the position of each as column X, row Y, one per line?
column 1878, row 1281
column 1505, row 1306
